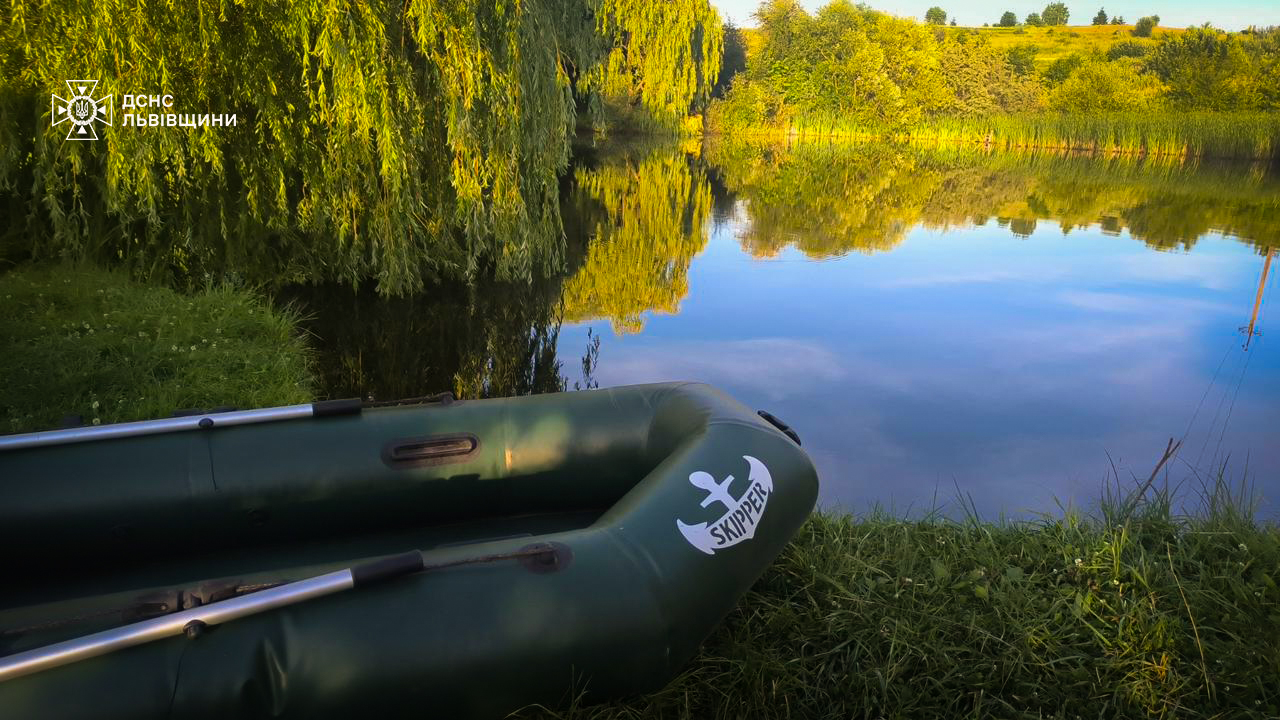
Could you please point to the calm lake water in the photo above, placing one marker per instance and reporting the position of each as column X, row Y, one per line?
column 1014, row 329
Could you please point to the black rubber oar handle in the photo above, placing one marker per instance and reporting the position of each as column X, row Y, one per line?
column 388, row 568
column 344, row 406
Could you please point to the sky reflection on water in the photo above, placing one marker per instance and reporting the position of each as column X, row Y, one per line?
column 1015, row 370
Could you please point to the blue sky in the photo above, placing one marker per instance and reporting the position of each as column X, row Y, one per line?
column 1231, row 15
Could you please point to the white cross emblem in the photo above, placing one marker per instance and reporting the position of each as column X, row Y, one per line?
column 82, row 110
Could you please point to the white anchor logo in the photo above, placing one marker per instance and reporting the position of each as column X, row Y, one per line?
column 82, row 110
column 741, row 516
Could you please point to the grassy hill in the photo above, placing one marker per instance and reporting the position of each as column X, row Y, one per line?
column 1052, row 43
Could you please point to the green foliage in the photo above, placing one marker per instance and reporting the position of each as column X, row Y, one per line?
column 846, row 61
column 1055, row 14
column 1117, row 20
column 854, row 72
column 92, row 343
column 662, row 57
column 1022, row 59
column 392, row 141
column 984, row 83
column 1135, row 615
column 849, row 64
column 1127, row 49
column 935, row 16
column 1145, row 25
column 1101, row 17
column 1107, row 87
column 1059, row 70
column 1008, row 19
column 1034, row 20
column 1208, row 69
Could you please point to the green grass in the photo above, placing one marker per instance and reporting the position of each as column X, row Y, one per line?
column 1059, row 42
column 93, row 343
column 1127, row 611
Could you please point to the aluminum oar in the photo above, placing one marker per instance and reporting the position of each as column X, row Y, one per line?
column 192, row 622
column 202, row 421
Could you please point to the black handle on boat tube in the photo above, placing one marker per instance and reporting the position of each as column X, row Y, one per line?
column 785, row 428
column 194, row 621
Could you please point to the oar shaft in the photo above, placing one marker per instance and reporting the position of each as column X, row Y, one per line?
column 82, row 648
column 178, row 424
column 358, row 576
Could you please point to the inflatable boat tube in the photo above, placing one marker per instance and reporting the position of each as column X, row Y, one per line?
column 574, row 542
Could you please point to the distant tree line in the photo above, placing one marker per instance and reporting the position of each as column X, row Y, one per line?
column 1058, row 14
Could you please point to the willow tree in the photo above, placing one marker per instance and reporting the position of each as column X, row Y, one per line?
column 663, row 57
column 374, row 138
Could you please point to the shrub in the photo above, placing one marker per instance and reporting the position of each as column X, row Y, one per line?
column 1126, row 49
column 1034, row 19
column 1022, row 58
column 1097, row 87
column 1008, row 19
column 1059, row 70
column 1145, row 25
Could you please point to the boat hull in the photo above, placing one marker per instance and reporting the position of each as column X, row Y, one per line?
column 614, row 478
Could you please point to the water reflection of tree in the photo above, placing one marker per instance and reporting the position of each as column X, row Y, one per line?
column 490, row 340
column 646, row 215
column 822, row 200
column 829, row 199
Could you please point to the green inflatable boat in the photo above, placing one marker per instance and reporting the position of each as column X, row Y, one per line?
column 455, row 559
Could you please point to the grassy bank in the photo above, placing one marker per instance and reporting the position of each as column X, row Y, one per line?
column 1236, row 136
column 93, row 343
column 1054, row 43
column 1130, row 611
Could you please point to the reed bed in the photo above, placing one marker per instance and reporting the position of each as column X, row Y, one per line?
column 1237, row 136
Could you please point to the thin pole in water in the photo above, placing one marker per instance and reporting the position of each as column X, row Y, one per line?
column 1257, row 301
